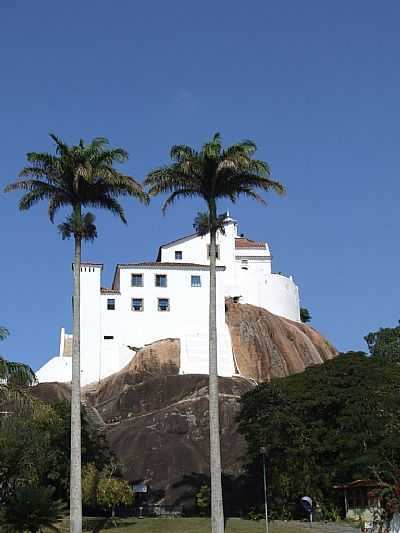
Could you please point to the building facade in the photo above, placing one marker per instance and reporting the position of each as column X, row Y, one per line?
column 169, row 298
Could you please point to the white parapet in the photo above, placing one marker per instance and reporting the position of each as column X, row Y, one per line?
column 57, row 369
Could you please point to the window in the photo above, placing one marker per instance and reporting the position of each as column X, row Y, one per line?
column 108, row 337
column 196, row 281
column 161, row 280
column 137, row 304
column 137, row 280
column 178, row 255
column 217, row 250
column 163, row 304
column 111, row 304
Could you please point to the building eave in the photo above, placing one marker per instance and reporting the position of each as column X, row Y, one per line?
column 89, row 264
column 176, row 241
column 168, row 265
column 157, row 265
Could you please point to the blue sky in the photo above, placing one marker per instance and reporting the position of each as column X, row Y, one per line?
column 315, row 84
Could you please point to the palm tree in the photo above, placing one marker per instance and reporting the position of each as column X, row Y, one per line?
column 77, row 176
column 14, row 377
column 213, row 174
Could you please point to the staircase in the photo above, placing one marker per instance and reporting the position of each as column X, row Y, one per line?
column 93, row 416
column 194, row 353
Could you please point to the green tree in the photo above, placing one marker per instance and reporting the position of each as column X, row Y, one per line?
column 330, row 424
column 384, row 344
column 32, row 509
column 305, row 315
column 35, row 449
column 14, row 377
column 112, row 492
column 79, row 176
column 90, row 481
column 203, row 500
column 213, row 174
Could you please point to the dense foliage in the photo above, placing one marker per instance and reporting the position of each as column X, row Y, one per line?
column 103, row 489
column 32, row 509
column 385, row 344
column 14, row 378
column 305, row 315
column 35, row 449
column 388, row 493
column 330, row 424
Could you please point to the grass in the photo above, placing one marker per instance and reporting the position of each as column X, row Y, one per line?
column 202, row 525
column 194, row 525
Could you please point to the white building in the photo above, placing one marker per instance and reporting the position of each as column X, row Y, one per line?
column 169, row 298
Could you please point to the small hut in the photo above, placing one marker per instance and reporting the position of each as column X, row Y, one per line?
column 359, row 501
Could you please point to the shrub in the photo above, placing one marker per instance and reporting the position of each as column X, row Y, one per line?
column 31, row 509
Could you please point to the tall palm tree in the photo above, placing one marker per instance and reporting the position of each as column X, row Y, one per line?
column 213, row 174
column 14, row 377
column 79, row 176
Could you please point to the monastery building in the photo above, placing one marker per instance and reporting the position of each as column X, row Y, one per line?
column 169, row 298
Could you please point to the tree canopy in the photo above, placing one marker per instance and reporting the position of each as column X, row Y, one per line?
column 213, row 173
column 81, row 175
column 328, row 425
column 14, row 376
column 384, row 344
column 35, row 449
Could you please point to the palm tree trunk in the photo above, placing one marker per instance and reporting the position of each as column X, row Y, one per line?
column 75, row 486
column 217, row 511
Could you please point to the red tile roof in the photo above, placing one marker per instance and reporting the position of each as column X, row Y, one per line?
column 177, row 264
column 105, row 290
column 242, row 242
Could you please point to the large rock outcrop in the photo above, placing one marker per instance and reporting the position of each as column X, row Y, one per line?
column 267, row 346
column 159, row 358
column 161, row 435
column 156, row 421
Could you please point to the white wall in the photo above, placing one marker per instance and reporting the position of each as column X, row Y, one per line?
column 90, row 323
column 187, row 318
column 194, row 250
column 188, row 305
column 281, row 297
column 56, row 369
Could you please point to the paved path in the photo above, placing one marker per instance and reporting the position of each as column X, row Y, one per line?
column 319, row 527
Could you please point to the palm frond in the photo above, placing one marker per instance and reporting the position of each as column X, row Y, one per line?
column 213, row 148
column 181, row 152
column 213, row 173
column 16, row 374
column 79, row 225
column 246, row 148
column 56, row 203
column 181, row 193
column 4, row 333
column 82, row 174
column 61, row 147
column 202, row 223
column 111, row 204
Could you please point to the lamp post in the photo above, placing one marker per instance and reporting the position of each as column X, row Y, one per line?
column 263, row 452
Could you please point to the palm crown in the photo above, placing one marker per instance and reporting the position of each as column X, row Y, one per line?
column 13, row 375
column 213, row 173
column 77, row 176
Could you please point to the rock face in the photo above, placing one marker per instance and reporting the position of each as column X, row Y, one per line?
column 156, row 421
column 156, row 359
column 161, row 434
column 268, row 346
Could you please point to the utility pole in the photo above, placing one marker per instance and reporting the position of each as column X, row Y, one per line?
column 263, row 452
